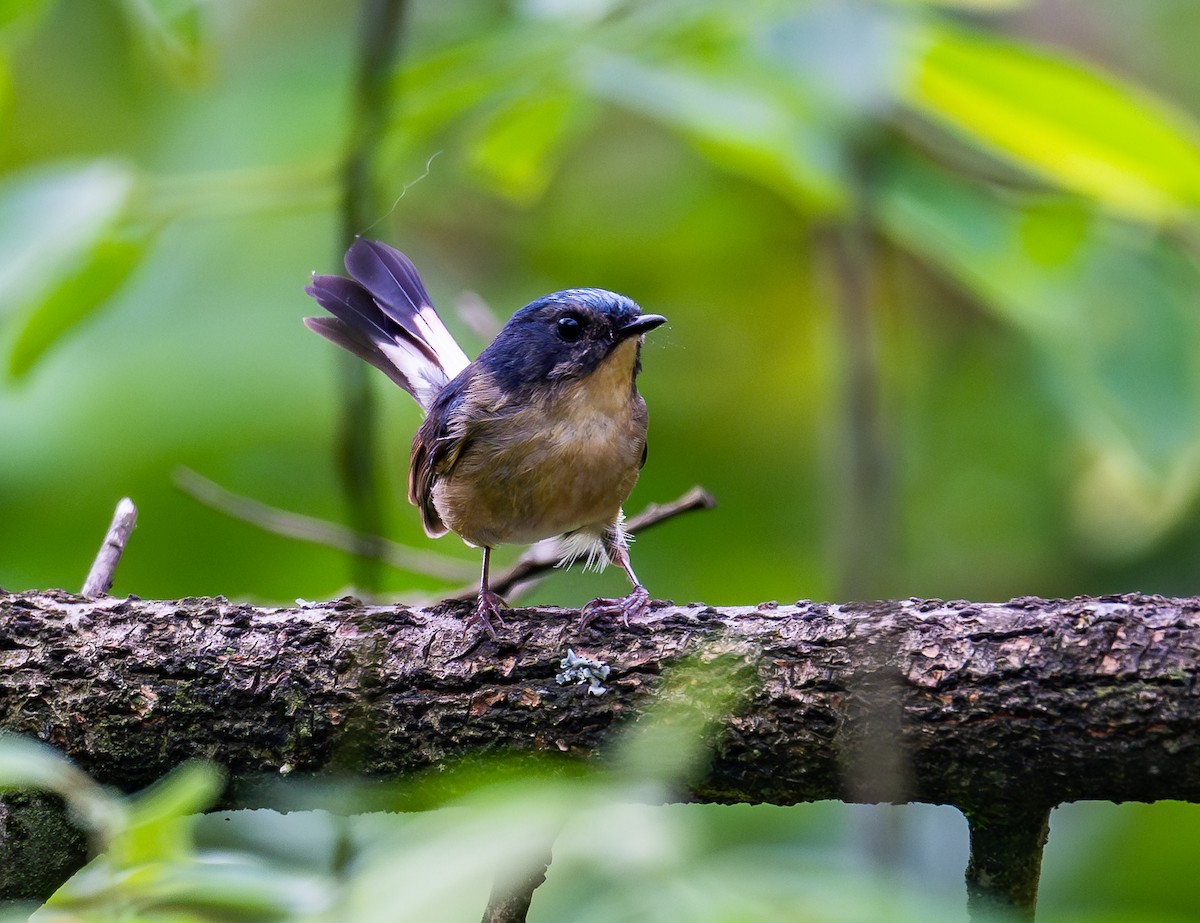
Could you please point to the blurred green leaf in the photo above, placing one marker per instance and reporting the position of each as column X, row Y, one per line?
column 440, row 86
column 232, row 888
column 1075, row 126
column 75, row 296
column 160, row 822
column 517, row 147
column 26, row 763
column 737, row 123
column 1111, row 314
column 19, row 14
column 5, row 87
column 173, row 30
column 672, row 740
column 50, row 216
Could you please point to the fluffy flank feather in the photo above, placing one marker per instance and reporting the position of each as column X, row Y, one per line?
column 589, row 546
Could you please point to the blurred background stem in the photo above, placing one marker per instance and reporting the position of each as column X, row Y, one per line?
column 380, row 32
column 866, row 509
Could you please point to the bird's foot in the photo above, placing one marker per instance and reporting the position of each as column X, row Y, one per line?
column 633, row 606
column 490, row 606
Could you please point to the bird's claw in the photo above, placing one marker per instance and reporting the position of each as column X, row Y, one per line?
column 633, row 606
column 490, row 606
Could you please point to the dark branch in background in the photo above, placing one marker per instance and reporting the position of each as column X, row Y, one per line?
column 529, row 568
column 1002, row 710
column 509, row 901
column 319, row 531
column 866, row 508
column 378, row 46
column 100, row 577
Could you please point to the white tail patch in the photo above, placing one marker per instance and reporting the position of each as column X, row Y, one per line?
column 425, row 378
column 434, row 332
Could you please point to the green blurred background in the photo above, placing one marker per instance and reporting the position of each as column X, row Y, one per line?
column 930, row 268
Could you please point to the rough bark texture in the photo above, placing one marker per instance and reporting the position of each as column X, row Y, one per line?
column 998, row 709
column 1043, row 701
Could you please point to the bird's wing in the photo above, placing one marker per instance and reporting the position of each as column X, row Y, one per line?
column 383, row 315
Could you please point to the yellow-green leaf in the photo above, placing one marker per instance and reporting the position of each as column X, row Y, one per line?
column 1054, row 116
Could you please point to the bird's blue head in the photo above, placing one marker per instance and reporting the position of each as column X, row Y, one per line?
column 566, row 335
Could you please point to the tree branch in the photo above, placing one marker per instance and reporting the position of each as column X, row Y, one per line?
column 319, row 531
column 1035, row 701
column 1003, row 710
column 1006, row 860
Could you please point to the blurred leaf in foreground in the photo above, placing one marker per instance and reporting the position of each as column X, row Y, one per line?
column 30, row 764
column 618, row 853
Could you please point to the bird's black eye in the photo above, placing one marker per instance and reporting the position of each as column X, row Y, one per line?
column 571, row 327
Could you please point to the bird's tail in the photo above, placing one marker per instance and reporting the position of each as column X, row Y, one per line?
column 383, row 315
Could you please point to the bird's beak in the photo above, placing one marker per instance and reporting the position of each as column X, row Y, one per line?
column 643, row 323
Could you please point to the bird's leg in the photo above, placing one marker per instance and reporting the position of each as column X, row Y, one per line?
column 490, row 605
column 636, row 604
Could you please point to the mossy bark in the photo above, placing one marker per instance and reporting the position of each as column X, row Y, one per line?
column 39, row 846
column 1005, row 864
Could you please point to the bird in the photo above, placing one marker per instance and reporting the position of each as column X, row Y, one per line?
column 543, row 435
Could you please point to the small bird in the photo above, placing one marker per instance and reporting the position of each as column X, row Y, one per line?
column 543, row 435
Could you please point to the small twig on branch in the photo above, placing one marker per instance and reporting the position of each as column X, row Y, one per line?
column 100, row 577
column 318, row 531
column 545, row 556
